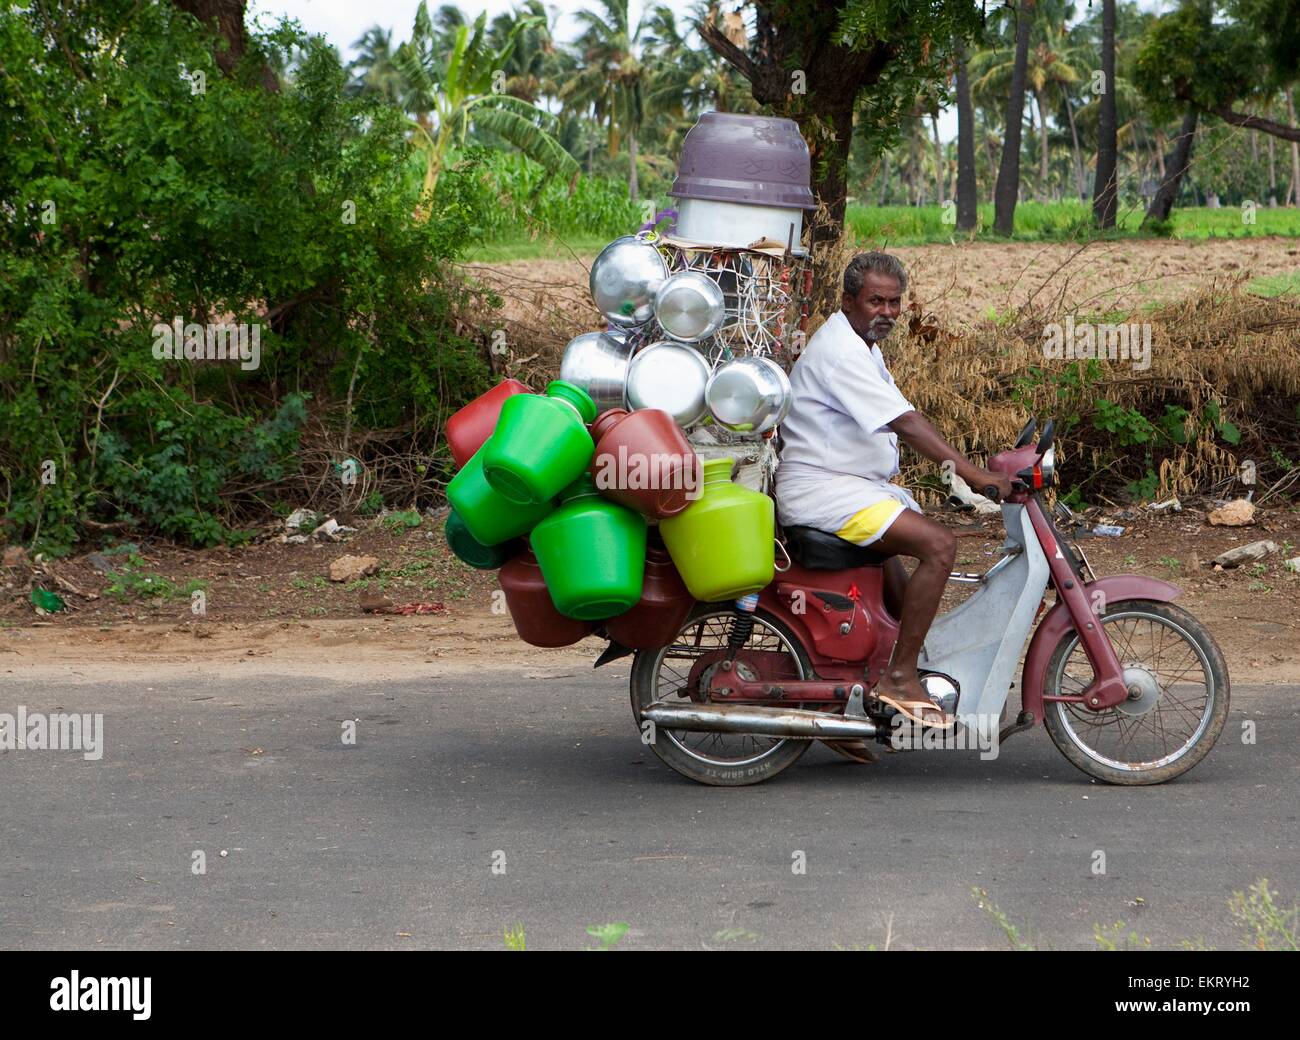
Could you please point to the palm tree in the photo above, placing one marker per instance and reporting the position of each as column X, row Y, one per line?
column 1008, row 184
column 966, row 188
column 1105, row 193
column 459, row 85
column 532, row 63
column 613, row 79
column 374, row 70
column 1052, row 66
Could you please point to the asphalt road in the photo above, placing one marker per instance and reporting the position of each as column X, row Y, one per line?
column 391, row 842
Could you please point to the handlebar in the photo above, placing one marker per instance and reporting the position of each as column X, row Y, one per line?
column 993, row 495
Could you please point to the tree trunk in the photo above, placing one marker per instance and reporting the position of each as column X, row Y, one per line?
column 633, row 187
column 991, row 153
column 1105, row 188
column 884, row 179
column 938, row 160
column 1295, row 148
column 809, row 40
column 1044, row 159
column 1007, row 190
column 1272, row 170
column 1080, row 182
column 914, row 173
column 226, row 18
column 1176, row 165
column 966, row 188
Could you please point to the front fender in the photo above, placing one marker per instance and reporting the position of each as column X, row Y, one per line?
column 1058, row 622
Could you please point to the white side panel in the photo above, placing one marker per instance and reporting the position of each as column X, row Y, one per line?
column 979, row 642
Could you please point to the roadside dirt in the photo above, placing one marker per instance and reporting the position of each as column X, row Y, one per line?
column 270, row 608
column 961, row 282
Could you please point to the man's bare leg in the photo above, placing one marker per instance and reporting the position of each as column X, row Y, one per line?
column 895, row 586
column 934, row 548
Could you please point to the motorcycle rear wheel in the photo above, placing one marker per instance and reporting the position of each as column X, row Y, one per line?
column 1171, row 726
column 716, row 759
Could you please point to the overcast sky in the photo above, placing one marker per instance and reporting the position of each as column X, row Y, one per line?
column 343, row 21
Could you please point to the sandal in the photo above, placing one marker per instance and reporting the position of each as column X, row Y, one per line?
column 910, row 709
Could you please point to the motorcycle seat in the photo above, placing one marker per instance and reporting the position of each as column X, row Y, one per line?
column 823, row 551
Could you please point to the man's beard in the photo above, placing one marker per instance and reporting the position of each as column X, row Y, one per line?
column 879, row 329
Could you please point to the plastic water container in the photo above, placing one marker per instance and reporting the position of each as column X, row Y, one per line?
column 724, row 543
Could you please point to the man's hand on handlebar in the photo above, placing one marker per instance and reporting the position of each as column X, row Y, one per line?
column 995, row 486
column 919, row 434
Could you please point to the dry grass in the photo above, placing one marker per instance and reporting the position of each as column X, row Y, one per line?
column 1222, row 344
column 979, row 379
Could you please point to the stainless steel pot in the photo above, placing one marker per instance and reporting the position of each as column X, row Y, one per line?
column 749, row 394
column 598, row 362
column 689, row 306
column 624, row 279
column 670, row 376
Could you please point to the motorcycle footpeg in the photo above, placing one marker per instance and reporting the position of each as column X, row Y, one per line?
column 1025, row 720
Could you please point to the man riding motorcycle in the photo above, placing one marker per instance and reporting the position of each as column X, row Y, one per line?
column 840, row 449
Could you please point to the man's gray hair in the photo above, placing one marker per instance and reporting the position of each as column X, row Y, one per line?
column 882, row 263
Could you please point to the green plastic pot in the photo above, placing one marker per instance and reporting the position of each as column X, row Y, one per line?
column 540, row 443
column 488, row 516
column 469, row 549
column 723, row 543
column 592, row 553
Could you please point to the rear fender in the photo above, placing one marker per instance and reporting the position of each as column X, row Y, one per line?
column 1057, row 623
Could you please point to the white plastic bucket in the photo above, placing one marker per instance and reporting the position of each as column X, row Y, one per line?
column 735, row 225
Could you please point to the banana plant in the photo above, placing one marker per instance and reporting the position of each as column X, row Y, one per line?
column 460, row 78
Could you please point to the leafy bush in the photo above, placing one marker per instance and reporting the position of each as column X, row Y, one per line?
column 132, row 194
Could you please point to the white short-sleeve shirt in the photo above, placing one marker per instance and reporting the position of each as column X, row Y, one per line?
column 838, row 453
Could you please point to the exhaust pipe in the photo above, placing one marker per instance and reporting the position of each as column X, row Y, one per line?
column 757, row 720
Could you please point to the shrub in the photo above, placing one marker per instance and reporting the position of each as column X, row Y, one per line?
column 129, row 197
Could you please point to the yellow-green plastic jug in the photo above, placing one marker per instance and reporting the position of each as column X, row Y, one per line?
column 723, row 544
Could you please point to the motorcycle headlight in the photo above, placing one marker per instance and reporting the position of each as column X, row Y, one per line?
column 1047, row 465
column 689, row 306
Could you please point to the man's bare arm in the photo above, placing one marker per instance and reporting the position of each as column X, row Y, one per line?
column 919, row 434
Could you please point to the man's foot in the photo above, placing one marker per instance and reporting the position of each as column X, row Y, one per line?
column 908, row 697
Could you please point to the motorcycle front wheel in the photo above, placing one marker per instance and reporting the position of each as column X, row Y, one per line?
column 1175, row 713
column 663, row 674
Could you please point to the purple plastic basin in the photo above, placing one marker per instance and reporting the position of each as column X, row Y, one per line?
column 758, row 160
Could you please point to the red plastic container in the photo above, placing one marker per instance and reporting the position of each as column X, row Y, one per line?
column 662, row 609
column 643, row 461
column 473, row 424
column 535, row 617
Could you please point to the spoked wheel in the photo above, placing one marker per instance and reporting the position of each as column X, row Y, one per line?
column 676, row 674
column 1176, row 709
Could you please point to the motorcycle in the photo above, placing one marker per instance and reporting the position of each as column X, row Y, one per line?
column 1130, row 688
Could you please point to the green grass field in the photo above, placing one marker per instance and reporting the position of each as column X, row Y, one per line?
column 548, row 248
column 1276, row 285
column 1061, row 221
column 919, row 225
